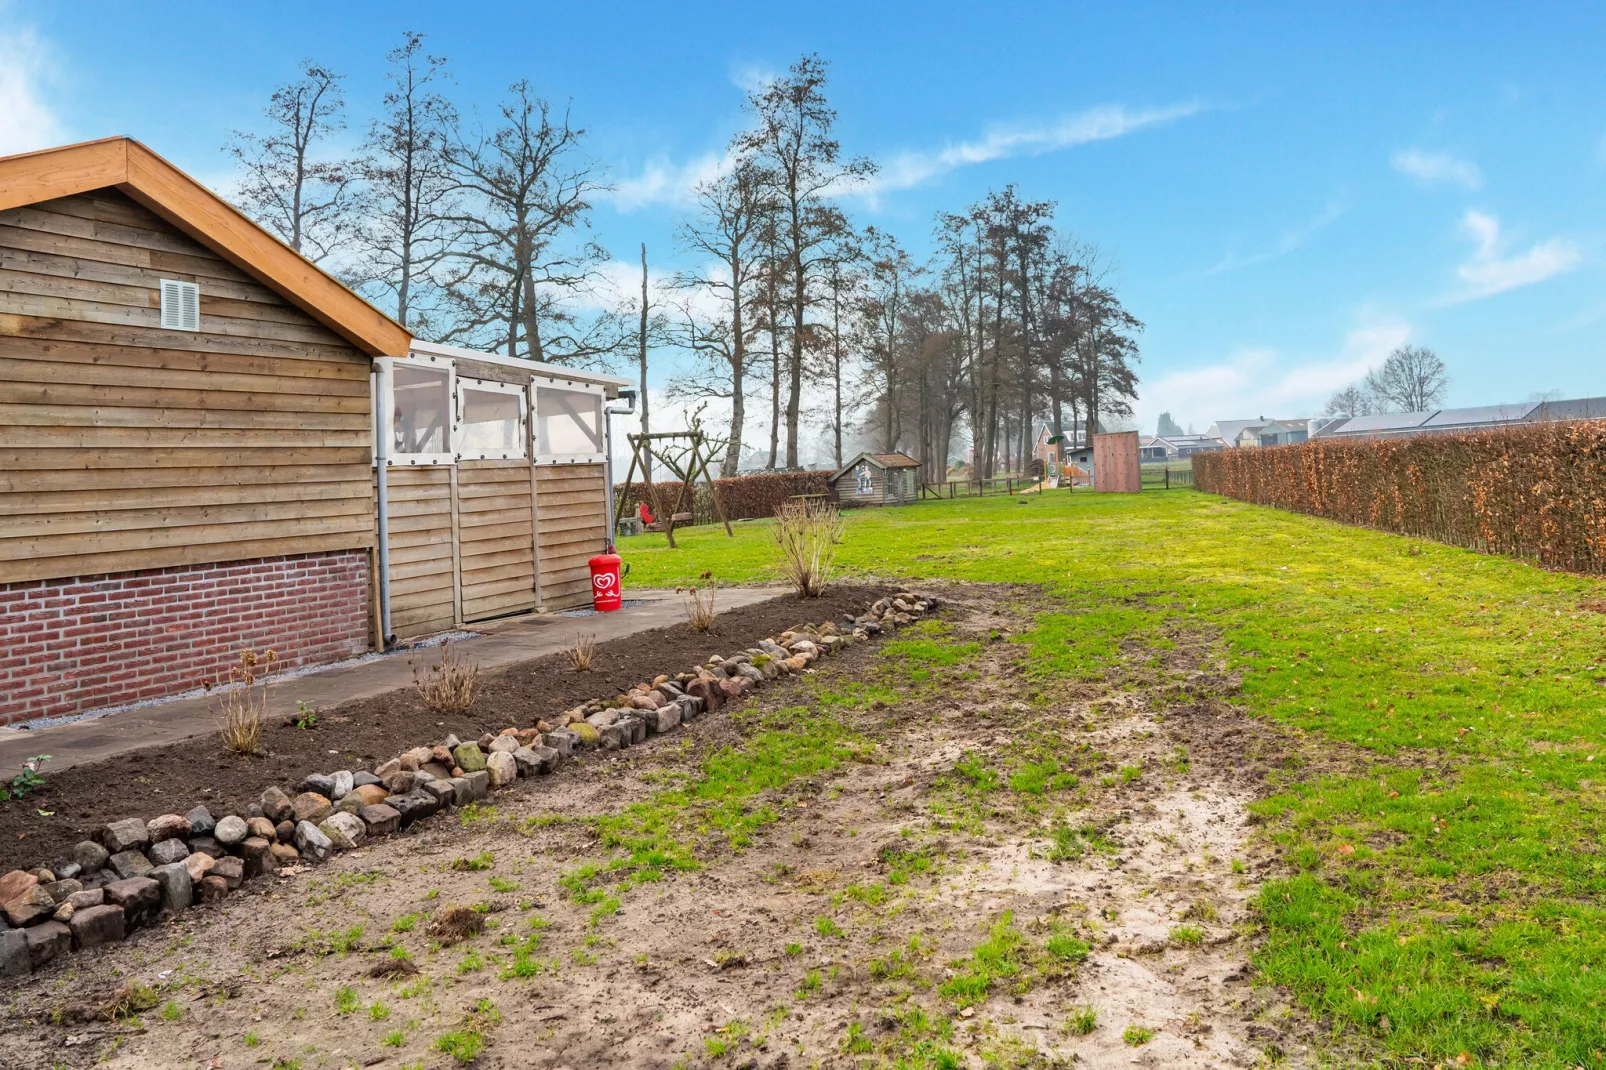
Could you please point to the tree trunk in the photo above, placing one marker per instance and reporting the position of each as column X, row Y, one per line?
column 641, row 356
column 733, row 452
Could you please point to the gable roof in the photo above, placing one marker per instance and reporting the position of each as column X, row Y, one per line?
column 124, row 164
column 880, row 460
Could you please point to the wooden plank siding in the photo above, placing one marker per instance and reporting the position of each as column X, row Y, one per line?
column 422, row 576
column 498, row 551
column 125, row 446
column 572, row 527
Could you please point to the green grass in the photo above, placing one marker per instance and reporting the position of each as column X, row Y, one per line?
column 998, row 958
column 464, row 1045
column 1082, row 1021
column 1136, row 1035
column 345, row 999
column 1448, row 899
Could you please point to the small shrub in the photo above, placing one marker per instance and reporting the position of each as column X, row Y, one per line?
column 306, row 715
column 242, row 700
column 807, row 531
column 700, row 608
column 584, row 651
column 26, row 781
column 449, row 687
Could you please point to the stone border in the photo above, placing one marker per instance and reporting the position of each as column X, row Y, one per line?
column 136, row 871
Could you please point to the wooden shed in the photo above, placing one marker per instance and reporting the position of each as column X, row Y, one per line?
column 1116, row 468
column 876, row 479
column 188, row 449
column 495, row 485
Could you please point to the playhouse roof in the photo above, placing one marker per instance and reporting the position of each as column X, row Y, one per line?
column 123, row 164
column 880, row 460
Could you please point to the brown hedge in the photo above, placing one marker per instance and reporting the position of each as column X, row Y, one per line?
column 1536, row 491
column 743, row 497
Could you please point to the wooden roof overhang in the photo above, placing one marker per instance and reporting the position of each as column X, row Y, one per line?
column 124, row 164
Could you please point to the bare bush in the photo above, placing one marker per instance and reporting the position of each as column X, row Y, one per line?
column 584, row 651
column 240, row 703
column 448, row 687
column 700, row 608
column 807, row 531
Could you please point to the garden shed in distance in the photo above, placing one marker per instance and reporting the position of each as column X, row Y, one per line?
column 876, row 479
column 188, row 447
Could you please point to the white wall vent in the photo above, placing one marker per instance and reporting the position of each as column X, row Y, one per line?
column 181, row 306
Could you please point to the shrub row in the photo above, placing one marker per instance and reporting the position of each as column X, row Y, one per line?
column 1535, row 491
column 743, row 497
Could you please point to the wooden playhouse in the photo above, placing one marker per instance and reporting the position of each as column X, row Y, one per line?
column 876, row 479
column 192, row 460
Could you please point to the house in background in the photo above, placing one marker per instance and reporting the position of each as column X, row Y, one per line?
column 876, row 479
column 1176, row 447
column 1477, row 418
column 1249, row 434
column 1284, row 432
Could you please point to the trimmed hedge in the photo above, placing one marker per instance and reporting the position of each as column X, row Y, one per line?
column 1536, row 491
column 743, row 497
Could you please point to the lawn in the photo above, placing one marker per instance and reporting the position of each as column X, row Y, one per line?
column 1444, row 902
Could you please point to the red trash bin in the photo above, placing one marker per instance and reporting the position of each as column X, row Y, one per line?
column 607, row 593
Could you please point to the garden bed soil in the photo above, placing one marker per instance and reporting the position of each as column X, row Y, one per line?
column 78, row 801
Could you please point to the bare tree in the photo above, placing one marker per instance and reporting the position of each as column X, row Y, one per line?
column 289, row 187
column 731, row 211
column 794, row 139
column 526, row 193
column 889, row 276
column 1412, row 379
column 406, row 237
column 1353, row 400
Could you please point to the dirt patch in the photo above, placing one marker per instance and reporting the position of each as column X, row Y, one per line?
column 172, row 779
column 984, row 879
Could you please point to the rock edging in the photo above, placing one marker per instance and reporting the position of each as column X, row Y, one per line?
column 135, row 871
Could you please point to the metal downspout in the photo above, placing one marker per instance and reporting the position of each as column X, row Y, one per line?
column 607, row 438
column 382, row 483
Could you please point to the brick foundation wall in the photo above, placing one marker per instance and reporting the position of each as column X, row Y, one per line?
column 86, row 643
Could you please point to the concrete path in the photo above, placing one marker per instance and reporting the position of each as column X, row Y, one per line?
column 501, row 643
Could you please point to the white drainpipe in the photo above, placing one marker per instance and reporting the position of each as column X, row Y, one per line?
column 381, row 453
column 607, row 439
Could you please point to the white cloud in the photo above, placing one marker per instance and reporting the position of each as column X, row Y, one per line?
column 1436, row 168
column 666, row 183
column 26, row 120
column 1487, row 272
column 1291, row 240
column 663, row 182
column 751, row 77
column 1261, row 381
column 908, row 169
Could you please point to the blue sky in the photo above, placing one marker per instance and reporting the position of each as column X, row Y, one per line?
column 1286, row 191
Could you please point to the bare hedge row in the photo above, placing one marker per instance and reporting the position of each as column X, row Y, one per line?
column 743, row 497
column 1535, row 491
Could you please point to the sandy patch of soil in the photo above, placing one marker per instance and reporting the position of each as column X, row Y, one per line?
column 835, row 937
